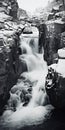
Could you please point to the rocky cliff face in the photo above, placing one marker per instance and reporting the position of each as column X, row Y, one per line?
column 52, row 43
column 11, row 66
column 55, row 85
column 55, row 27
column 22, row 14
column 14, row 8
column 50, row 30
column 10, row 7
column 55, row 80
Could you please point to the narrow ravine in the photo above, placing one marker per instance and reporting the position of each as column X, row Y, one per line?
column 28, row 104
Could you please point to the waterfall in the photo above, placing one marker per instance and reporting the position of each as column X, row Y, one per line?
column 28, row 103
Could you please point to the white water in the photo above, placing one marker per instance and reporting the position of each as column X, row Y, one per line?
column 37, row 108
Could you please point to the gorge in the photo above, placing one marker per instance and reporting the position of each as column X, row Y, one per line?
column 31, row 53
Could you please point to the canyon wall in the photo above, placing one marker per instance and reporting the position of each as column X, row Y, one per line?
column 54, row 54
column 11, row 66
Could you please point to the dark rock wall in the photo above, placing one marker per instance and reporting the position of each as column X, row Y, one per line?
column 14, row 8
column 52, row 44
column 55, row 88
column 42, row 35
column 54, row 52
column 50, row 40
column 53, row 40
column 10, row 6
column 10, row 66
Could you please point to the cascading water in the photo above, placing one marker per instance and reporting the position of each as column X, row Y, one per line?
column 28, row 103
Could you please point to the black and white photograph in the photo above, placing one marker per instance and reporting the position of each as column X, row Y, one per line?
column 32, row 64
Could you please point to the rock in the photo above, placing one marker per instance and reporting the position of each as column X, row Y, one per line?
column 51, row 15
column 54, row 33
column 57, row 16
column 62, row 39
column 54, row 40
column 22, row 14
column 27, row 30
column 19, row 86
column 55, row 9
column 14, row 9
column 50, row 49
column 10, row 7
column 0, row 2
column 23, row 90
column 25, row 97
column 10, row 64
column 14, row 89
column 4, row 17
column 61, row 53
column 61, row 8
column 42, row 35
column 59, row 26
column 60, row 14
column 22, row 68
column 55, row 88
column 13, row 102
column 1, row 25
column 30, row 89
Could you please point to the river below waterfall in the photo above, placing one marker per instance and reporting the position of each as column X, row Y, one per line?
column 28, row 107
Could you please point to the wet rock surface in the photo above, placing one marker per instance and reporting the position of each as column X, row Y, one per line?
column 27, row 30
column 55, row 28
column 55, row 85
column 53, row 41
column 54, row 54
column 11, row 66
column 21, row 92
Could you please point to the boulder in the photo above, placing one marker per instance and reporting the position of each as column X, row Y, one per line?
column 51, row 16
column 55, row 84
column 1, row 25
column 55, row 9
column 60, row 14
column 25, row 97
column 59, row 26
column 52, row 43
column 42, row 35
column 27, row 30
column 4, row 17
column 61, row 7
column 22, row 14
column 61, row 53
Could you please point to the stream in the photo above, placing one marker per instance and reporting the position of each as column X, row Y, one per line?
column 28, row 104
